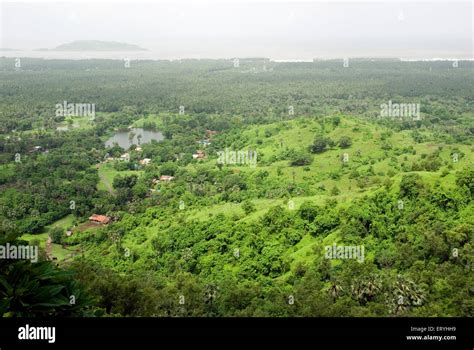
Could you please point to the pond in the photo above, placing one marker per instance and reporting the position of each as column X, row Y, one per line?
column 134, row 136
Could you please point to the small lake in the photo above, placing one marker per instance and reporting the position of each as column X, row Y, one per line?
column 124, row 139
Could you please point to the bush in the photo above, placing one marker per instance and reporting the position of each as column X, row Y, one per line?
column 410, row 185
column 308, row 211
column 300, row 158
column 335, row 191
column 319, row 145
column 248, row 207
column 345, row 142
column 56, row 234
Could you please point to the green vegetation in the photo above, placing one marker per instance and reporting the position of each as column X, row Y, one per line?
column 189, row 236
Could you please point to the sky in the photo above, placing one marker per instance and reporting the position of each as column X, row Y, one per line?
column 250, row 28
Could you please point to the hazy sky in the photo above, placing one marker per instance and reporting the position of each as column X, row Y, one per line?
column 275, row 29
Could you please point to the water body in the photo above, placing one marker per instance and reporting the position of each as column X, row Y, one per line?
column 124, row 139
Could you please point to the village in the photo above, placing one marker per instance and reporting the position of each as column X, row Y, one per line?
column 98, row 220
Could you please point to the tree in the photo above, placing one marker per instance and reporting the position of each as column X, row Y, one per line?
column 300, row 158
column 335, row 290
column 345, row 142
column 56, row 233
column 168, row 168
column 319, row 145
column 410, row 185
column 131, row 136
column 466, row 178
column 248, row 207
column 124, row 181
column 335, row 191
column 308, row 211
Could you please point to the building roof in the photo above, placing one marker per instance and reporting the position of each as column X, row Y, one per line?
column 100, row 218
column 166, row 178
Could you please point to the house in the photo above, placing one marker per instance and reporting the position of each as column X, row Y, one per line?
column 68, row 233
column 145, row 161
column 210, row 133
column 138, row 149
column 125, row 157
column 199, row 155
column 166, row 178
column 100, row 219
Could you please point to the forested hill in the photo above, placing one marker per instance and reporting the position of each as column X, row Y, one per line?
column 96, row 45
column 249, row 240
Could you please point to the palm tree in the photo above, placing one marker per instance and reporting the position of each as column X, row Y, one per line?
column 372, row 287
column 131, row 135
column 365, row 291
column 335, row 290
column 408, row 294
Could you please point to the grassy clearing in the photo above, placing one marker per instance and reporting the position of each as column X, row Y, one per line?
column 57, row 249
column 155, row 118
column 107, row 174
column 77, row 123
column 65, row 223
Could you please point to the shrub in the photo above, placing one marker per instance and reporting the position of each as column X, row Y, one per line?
column 345, row 142
column 56, row 234
column 248, row 207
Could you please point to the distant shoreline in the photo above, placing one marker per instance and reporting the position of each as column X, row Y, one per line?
column 155, row 56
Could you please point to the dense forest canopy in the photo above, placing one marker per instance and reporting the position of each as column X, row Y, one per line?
column 195, row 233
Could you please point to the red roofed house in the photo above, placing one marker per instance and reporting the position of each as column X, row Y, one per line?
column 100, row 219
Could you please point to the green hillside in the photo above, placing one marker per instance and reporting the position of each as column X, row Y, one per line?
column 278, row 192
column 279, row 247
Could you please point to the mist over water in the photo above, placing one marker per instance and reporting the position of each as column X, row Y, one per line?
column 279, row 31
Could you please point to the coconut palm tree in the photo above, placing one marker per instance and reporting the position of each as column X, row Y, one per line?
column 335, row 290
column 408, row 294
